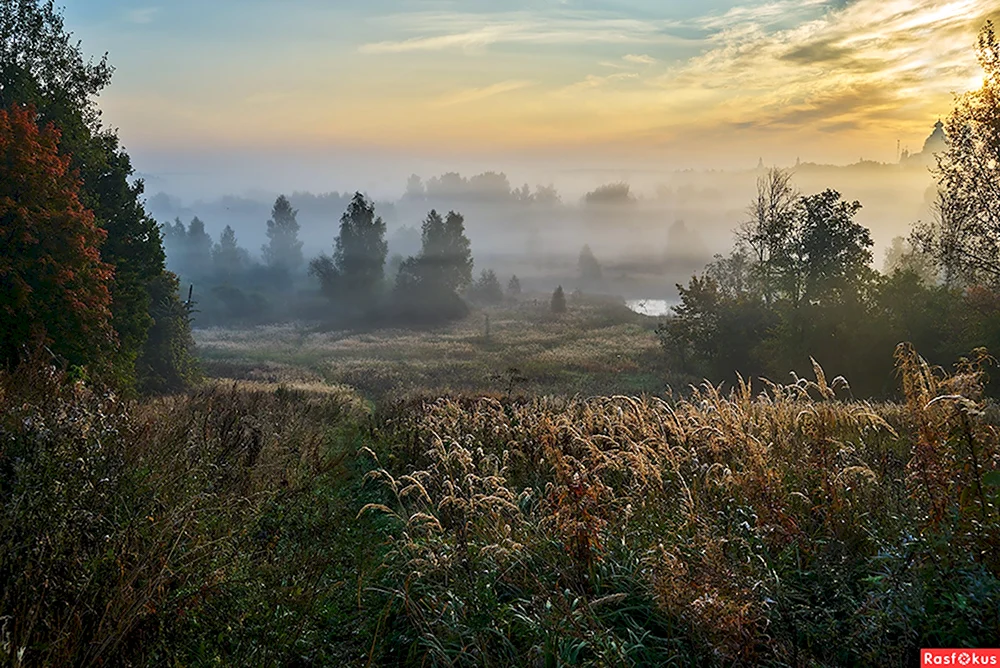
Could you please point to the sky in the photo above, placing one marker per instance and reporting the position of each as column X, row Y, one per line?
column 393, row 86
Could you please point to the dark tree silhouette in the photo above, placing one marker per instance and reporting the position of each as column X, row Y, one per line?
column 230, row 260
column 198, row 249
column 427, row 285
column 487, row 289
column 590, row 268
column 771, row 217
column 558, row 303
column 964, row 237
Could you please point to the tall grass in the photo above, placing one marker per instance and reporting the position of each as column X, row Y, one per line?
column 135, row 534
column 776, row 526
column 257, row 523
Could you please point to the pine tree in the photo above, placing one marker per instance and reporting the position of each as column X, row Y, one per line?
column 229, row 259
column 446, row 255
column 558, row 300
column 283, row 251
column 355, row 273
column 514, row 286
column 487, row 289
column 590, row 268
column 197, row 250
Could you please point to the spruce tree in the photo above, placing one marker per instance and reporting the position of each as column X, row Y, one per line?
column 229, row 259
column 283, row 251
column 558, row 300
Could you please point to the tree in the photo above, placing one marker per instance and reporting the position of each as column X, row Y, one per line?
column 488, row 289
column 558, row 303
column 547, row 195
column 514, row 286
column 414, row 188
column 283, row 251
column 901, row 256
column 430, row 282
column 419, row 296
column 767, row 230
column 611, row 194
column 732, row 273
column 40, row 65
column 446, row 251
column 54, row 282
column 830, row 249
column 964, row 235
column 590, row 268
column 197, row 249
column 356, row 271
column 230, row 260
column 167, row 363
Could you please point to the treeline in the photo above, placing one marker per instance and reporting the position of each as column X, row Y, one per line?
column 799, row 281
column 486, row 187
column 358, row 282
column 82, row 267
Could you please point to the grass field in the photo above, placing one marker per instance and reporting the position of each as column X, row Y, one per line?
column 392, row 497
column 595, row 348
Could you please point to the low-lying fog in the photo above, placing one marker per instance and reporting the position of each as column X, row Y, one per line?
column 648, row 234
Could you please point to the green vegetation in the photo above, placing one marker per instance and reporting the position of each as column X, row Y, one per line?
column 596, row 348
column 43, row 71
column 528, row 484
column 256, row 523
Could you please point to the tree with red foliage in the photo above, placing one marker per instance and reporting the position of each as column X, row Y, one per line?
column 53, row 283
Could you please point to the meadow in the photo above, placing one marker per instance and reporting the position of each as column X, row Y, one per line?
column 598, row 347
column 396, row 497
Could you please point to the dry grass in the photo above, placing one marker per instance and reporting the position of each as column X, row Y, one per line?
column 127, row 528
column 771, row 524
column 756, row 525
column 593, row 349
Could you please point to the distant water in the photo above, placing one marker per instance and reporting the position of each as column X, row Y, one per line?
column 653, row 307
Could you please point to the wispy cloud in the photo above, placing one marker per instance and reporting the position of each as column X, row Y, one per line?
column 639, row 59
column 867, row 63
column 476, row 94
column 442, row 31
column 593, row 81
column 142, row 15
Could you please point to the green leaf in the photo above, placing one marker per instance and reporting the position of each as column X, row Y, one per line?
column 992, row 479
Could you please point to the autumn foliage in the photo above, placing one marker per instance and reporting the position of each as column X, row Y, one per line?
column 53, row 283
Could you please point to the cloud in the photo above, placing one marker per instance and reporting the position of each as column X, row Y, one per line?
column 856, row 66
column 476, row 94
column 445, row 31
column 593, row 81
column 466, row 40
column 142, row 15
column 639, row 59
column 762, row 15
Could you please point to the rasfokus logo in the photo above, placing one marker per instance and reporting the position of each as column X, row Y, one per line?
column 960, row 657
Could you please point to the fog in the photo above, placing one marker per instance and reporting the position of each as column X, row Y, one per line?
column 648, row 229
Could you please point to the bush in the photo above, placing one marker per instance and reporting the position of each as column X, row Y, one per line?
column 150, row 534
column 487, row 290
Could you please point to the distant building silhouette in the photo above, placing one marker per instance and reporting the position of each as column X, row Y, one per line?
column 936, row 142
